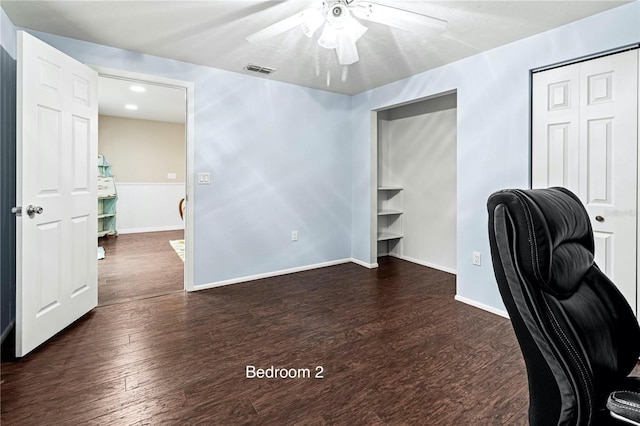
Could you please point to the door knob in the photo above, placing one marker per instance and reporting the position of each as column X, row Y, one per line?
column 600, row 218
column 34, row 210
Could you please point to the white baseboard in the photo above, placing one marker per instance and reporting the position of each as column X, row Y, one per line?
column 269, row 274
column 365, row 264
column 153, row 229
column 482, row 306
column 423, row 263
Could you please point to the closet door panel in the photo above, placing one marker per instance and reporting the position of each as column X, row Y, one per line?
column 584, row 138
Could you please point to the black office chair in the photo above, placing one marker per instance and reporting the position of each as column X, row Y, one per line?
column 579, row 337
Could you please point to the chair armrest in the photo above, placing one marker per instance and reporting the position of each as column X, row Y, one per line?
column 625, row 406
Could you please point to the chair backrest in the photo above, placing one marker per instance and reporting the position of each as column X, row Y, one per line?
column 577, row 333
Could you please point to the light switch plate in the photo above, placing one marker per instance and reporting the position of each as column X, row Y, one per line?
column 204, row 178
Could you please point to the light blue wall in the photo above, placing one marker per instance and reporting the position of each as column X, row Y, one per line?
column 279, row 157
column 493, row 130
column 284, row 157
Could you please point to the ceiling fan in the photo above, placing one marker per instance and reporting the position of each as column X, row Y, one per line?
column 341, row 30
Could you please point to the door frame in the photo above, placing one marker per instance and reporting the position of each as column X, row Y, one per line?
column 374, row 117
column 189, row 88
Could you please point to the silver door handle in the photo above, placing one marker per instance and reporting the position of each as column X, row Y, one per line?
column 34, row 210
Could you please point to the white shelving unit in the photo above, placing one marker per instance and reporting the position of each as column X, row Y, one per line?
column 390, row 196
column 390, row 203
column 107, row 197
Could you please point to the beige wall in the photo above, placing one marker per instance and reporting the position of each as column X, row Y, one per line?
column 142, row 150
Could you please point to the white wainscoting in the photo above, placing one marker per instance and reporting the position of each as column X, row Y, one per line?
column 148, row 207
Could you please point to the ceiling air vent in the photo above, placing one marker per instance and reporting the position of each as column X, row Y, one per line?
column 259, row 69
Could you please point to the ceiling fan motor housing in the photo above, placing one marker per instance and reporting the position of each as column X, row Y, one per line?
column 341, row 28
column 337, row 8
column 337, row 15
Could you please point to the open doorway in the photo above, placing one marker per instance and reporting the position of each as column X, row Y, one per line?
column 143, row 169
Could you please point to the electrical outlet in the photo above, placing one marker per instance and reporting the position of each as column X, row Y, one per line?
column 294, row 235
column 476, row 258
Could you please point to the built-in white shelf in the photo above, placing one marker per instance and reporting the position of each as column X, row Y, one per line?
column 386, row 236
column 389, row 212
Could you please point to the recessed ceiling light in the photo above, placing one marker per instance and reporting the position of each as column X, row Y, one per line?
column 132, row 107
column 138, row 89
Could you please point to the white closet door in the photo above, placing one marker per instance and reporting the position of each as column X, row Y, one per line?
column 556, row 116
column 585, row 137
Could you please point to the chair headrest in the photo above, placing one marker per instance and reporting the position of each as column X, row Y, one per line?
column 552, row 236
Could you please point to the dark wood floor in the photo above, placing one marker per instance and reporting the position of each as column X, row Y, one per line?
column 138, row 266
column 394, row 346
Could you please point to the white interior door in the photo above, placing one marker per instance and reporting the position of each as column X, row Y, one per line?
column 585, row 137
column 57, row 138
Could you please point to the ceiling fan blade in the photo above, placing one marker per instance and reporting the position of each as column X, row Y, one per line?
column 312, row 19
column 346, row 49
column 278, row 28
column 399, row 18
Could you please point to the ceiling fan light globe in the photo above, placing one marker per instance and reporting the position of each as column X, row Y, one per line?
column 329, row 37
column 346, row 49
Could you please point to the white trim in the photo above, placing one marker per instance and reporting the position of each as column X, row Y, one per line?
column 586, row 58
column 365, row 264
column 153, row 229
column 149, row 183
column 423, row 263
column 189, row 87
column 269, row 275
column 482, row 306
column 373, row 187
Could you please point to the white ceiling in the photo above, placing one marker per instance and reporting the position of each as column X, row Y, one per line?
column 158, row 103
column 213, row 33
